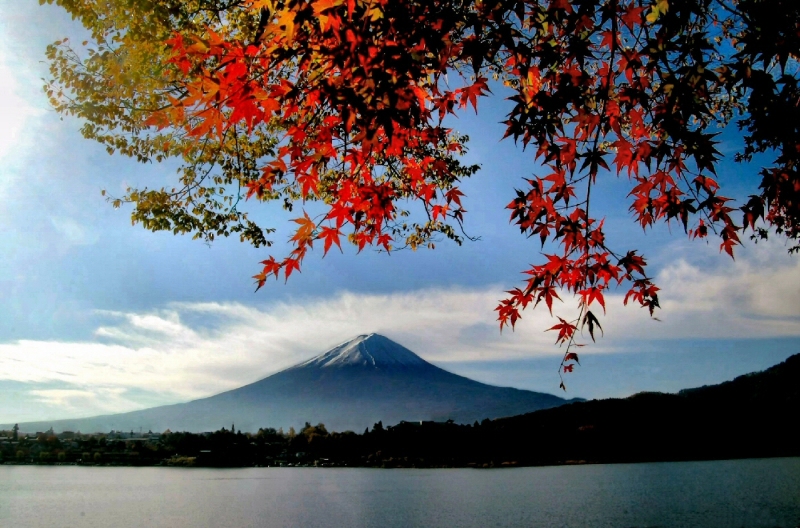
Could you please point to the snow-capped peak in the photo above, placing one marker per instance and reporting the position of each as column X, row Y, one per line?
column 370, row 350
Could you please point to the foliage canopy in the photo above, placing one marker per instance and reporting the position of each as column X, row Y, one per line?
column 342, row 102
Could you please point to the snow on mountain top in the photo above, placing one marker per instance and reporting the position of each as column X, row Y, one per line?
column 370, row 350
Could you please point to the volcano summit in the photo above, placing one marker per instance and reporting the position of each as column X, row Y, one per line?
column 350, row 387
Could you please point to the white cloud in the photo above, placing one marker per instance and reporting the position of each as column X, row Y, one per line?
column 189, row 350
column 755, row 296
column 161, row 352
column 85, row 402
column 73, row 232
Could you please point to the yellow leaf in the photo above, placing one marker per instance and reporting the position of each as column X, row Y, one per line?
column 198, row 47
column 263, row 4
column 661, row 7
column 286, row 21
column 322, row 5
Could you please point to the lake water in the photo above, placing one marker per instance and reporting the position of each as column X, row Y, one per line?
column 738, row 493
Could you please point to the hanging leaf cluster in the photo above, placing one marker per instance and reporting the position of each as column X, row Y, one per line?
column 341, row 102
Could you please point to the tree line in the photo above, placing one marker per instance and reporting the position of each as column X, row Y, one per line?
column 747, row 417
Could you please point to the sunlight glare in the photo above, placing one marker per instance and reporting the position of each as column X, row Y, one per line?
column 14, row 110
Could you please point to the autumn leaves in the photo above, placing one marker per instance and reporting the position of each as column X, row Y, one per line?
column 355, row 92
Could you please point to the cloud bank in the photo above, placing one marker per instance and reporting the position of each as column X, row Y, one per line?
column 190, row 350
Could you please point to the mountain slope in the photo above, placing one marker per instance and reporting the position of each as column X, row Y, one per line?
column 352, row 386
column 751, row 416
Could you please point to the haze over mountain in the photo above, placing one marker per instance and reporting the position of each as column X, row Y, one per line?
column 352, row 386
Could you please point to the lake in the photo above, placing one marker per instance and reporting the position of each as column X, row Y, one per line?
column 732, row 493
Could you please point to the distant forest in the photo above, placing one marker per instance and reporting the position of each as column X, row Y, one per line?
column 752, row 416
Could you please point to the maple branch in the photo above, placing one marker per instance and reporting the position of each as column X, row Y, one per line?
column 591, row 176
column 733, row 12
column 696, row 195
column 463, row 231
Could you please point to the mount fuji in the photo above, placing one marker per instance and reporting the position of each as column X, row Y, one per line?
column 352, row 386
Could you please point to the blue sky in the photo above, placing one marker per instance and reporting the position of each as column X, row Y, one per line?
column 99, row 316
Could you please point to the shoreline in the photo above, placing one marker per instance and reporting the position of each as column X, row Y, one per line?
column 502, row 465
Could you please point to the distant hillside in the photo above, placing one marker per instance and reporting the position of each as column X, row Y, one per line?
column 350, row 387
column 752, row 416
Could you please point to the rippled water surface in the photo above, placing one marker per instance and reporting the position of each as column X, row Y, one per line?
column 735, row 493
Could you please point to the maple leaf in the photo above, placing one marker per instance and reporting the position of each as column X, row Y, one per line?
column 633, row 16
column 549, row 293
column 589, row 295
column 438, row 210
column 660, row 7
column 305, row 233
column 624, row 157
column 271, row 267
column 309, row 182
column 632, row 263
column 324, row 5
column 572, row 356
column 286, row 23
column 454, row 195
column 330, row 236
column 470, row 94
column 385, row 240
column 591, row 320
column 561, row 4
column 565, row 330
column 291, row 264
column 727, row 246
